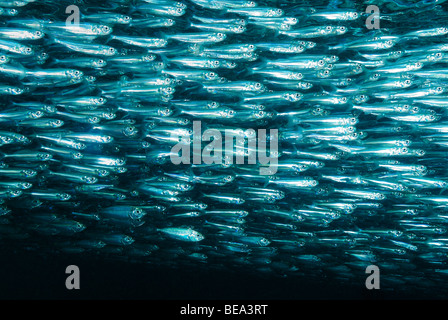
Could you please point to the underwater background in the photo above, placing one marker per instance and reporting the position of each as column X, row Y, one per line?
column 95, row 96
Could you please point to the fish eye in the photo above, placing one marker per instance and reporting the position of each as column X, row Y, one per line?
column 407, row 82
column 148, row 58
column 28, row 50
column 127, row 239
column 390, row 42
column 342, row 28
column 321, row 63
column 328, row 28
column 439, row 89
column 258, row 85
column 94, row 120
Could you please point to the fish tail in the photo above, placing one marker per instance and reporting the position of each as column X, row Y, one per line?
column 263, row 62
column 111, row 37
column 165, row 60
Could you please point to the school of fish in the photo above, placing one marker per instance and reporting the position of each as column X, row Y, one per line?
column 90, row 110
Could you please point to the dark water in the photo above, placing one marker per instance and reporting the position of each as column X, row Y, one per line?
column 32, row 276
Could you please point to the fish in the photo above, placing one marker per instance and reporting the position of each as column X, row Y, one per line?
column 98, row 147
column 182, row 234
